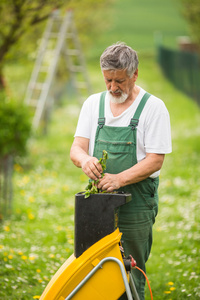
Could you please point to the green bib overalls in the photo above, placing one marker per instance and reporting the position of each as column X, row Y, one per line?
column 136, row 218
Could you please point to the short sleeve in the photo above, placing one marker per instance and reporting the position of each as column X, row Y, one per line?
column 157, row 138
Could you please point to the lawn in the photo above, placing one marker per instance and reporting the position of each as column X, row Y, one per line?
column 38, row 237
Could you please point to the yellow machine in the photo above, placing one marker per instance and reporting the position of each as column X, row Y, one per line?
column 99, row 273
column 96, row 271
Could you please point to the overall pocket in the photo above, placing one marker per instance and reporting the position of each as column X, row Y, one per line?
column 120, row 155
column 148, row 190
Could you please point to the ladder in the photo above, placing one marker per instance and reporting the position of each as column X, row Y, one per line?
column 59, row 39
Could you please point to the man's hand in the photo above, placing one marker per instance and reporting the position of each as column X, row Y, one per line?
column 109, row 182
column 92, row 168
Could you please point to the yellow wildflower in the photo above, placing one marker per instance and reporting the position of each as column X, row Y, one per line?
column 18, row 168
column 46, row 278
column 31, row 216
column 22, row 193
column 65, row 188
column 24, row 257
column 59, row 228
column 31, row 257
column 25, row 180
column 51, row 255
column 158, row 229
column 31, row 199
column 6, row 228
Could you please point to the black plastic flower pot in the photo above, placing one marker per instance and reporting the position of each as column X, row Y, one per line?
column 95, row 217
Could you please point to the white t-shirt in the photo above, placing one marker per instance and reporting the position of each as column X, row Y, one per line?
column 153, row 130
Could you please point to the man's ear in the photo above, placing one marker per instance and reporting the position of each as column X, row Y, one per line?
column 135, row 75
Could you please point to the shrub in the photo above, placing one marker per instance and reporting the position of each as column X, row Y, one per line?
column 15, row 127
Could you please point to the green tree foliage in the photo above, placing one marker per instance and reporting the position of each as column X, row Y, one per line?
column 191, row 11
column 20, row 16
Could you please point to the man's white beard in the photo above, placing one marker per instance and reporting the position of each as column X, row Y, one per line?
column 120, row 99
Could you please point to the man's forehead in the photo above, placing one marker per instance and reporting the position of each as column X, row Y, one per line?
column 115, row 73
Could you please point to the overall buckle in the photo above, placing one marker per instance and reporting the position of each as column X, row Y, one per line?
column 134, row 123
column 101, row 122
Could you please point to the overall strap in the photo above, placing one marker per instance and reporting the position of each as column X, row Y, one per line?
column 135, row 120
column 101, row 120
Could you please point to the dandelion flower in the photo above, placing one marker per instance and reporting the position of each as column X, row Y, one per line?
column 51, row 255
column 18, row 168
column 46, row 278
column 59, row 228
column 22, row 193
column 38, row 270
column 158, row 229
column 25, row 180
column 170, row 283
column 1, row 247
column 31, row 199
column 31, row 216
column 36, row 297
column 71, row 241
column 65, row 188
column 24, row 257
column 10, row 256
column 6, row 228
column 172, row 288
column 31, row 257
column 167, row 292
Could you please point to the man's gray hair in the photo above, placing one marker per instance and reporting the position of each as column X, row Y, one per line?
column 119, row 57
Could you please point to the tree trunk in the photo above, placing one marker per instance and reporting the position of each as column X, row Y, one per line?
column 6, row 171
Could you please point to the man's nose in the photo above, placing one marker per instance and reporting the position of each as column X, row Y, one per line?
column 113, row 86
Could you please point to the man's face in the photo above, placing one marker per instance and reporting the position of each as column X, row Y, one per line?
column 119, row 84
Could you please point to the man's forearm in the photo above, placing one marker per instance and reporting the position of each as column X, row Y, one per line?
column 139, row 172
column 79, row 151
column 77, row 156
column 80, row 157
column 142, row 170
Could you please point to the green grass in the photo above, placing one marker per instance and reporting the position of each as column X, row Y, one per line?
column 175, row 252
column 142, row 24
column 38, row 237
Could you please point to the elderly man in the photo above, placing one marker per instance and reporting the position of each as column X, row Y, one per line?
column 134, row 128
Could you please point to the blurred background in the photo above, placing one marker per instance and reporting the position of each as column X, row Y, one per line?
column 49, row 64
